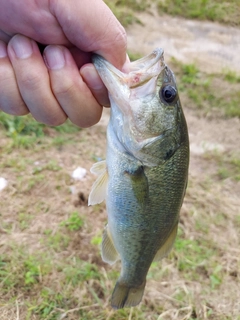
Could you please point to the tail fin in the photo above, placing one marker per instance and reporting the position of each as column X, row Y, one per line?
column 124, row 296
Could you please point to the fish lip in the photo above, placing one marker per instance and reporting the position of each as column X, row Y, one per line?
column 152, row 58
column 142, row 66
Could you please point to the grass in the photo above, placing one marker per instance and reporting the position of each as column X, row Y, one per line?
column 216, row 94
column 214, row 10
column 73, row 223
column 25, row 132
column 210, row 93
column 228, row 164
column 227, row 12
column 125, row 11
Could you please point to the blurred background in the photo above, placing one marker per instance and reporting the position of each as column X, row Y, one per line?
column 50, row 263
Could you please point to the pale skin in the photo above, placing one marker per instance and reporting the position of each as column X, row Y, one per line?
column 61, row 82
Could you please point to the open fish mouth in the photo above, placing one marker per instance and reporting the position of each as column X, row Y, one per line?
column 141, row 71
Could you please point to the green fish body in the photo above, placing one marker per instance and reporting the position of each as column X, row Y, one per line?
column 145, row 174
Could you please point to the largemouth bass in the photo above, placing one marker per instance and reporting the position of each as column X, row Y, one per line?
column 144, row 177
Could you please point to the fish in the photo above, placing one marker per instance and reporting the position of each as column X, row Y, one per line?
column 144, row 177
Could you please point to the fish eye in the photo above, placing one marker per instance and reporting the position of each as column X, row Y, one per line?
column 168, row 93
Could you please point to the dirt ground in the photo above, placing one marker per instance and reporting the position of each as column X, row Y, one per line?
column 212, row 46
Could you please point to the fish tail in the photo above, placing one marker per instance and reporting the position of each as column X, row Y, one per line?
column 126, row 296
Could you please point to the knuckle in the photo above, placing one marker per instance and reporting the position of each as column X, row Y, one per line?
column 121, row 36
column 64, row 88
column 30, row 81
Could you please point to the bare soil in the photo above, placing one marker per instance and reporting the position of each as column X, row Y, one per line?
column 212, row 46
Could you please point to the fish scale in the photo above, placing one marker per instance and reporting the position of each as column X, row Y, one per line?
column 145, row 174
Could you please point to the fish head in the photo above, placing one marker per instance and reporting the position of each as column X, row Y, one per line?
column 145, row 104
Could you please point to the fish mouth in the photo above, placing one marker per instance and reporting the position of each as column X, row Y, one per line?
column 141, row 71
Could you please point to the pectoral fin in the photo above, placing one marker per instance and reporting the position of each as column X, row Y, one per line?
column 109, row 253
column 165, row 249
column 99, row 167
column 98, row 191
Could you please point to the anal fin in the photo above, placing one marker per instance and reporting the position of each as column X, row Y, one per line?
column 167, row 246
column 109, row 253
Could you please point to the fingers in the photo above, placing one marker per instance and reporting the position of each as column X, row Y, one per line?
column 11, row 101
column 69, row 88
column 52, row 92
column 94, row 82
column 4, row 36
column 33, row 81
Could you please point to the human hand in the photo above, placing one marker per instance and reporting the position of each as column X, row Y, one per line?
column 51, row 86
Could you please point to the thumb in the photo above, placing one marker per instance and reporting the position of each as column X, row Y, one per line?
column 92, row 27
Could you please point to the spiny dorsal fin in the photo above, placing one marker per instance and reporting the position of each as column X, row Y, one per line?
column 165, row 249
column 109, row 253
column 98, row 191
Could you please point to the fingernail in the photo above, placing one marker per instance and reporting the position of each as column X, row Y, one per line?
column 91, row 77
column 22, row 46
column 54, row 57
column 3, row 49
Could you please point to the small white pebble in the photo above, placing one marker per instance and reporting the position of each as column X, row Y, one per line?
column 3, row 183
column 79, row 173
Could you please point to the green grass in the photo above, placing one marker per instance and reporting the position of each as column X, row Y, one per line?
column 26, row 132
column 134, row 56
column 23, row 270
column 73, row 223
column 196, row 261
column 211, row 93
column 125, row 11
column 228, row 164
column 222, row 11
column 231, row 76
column 227, row 12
